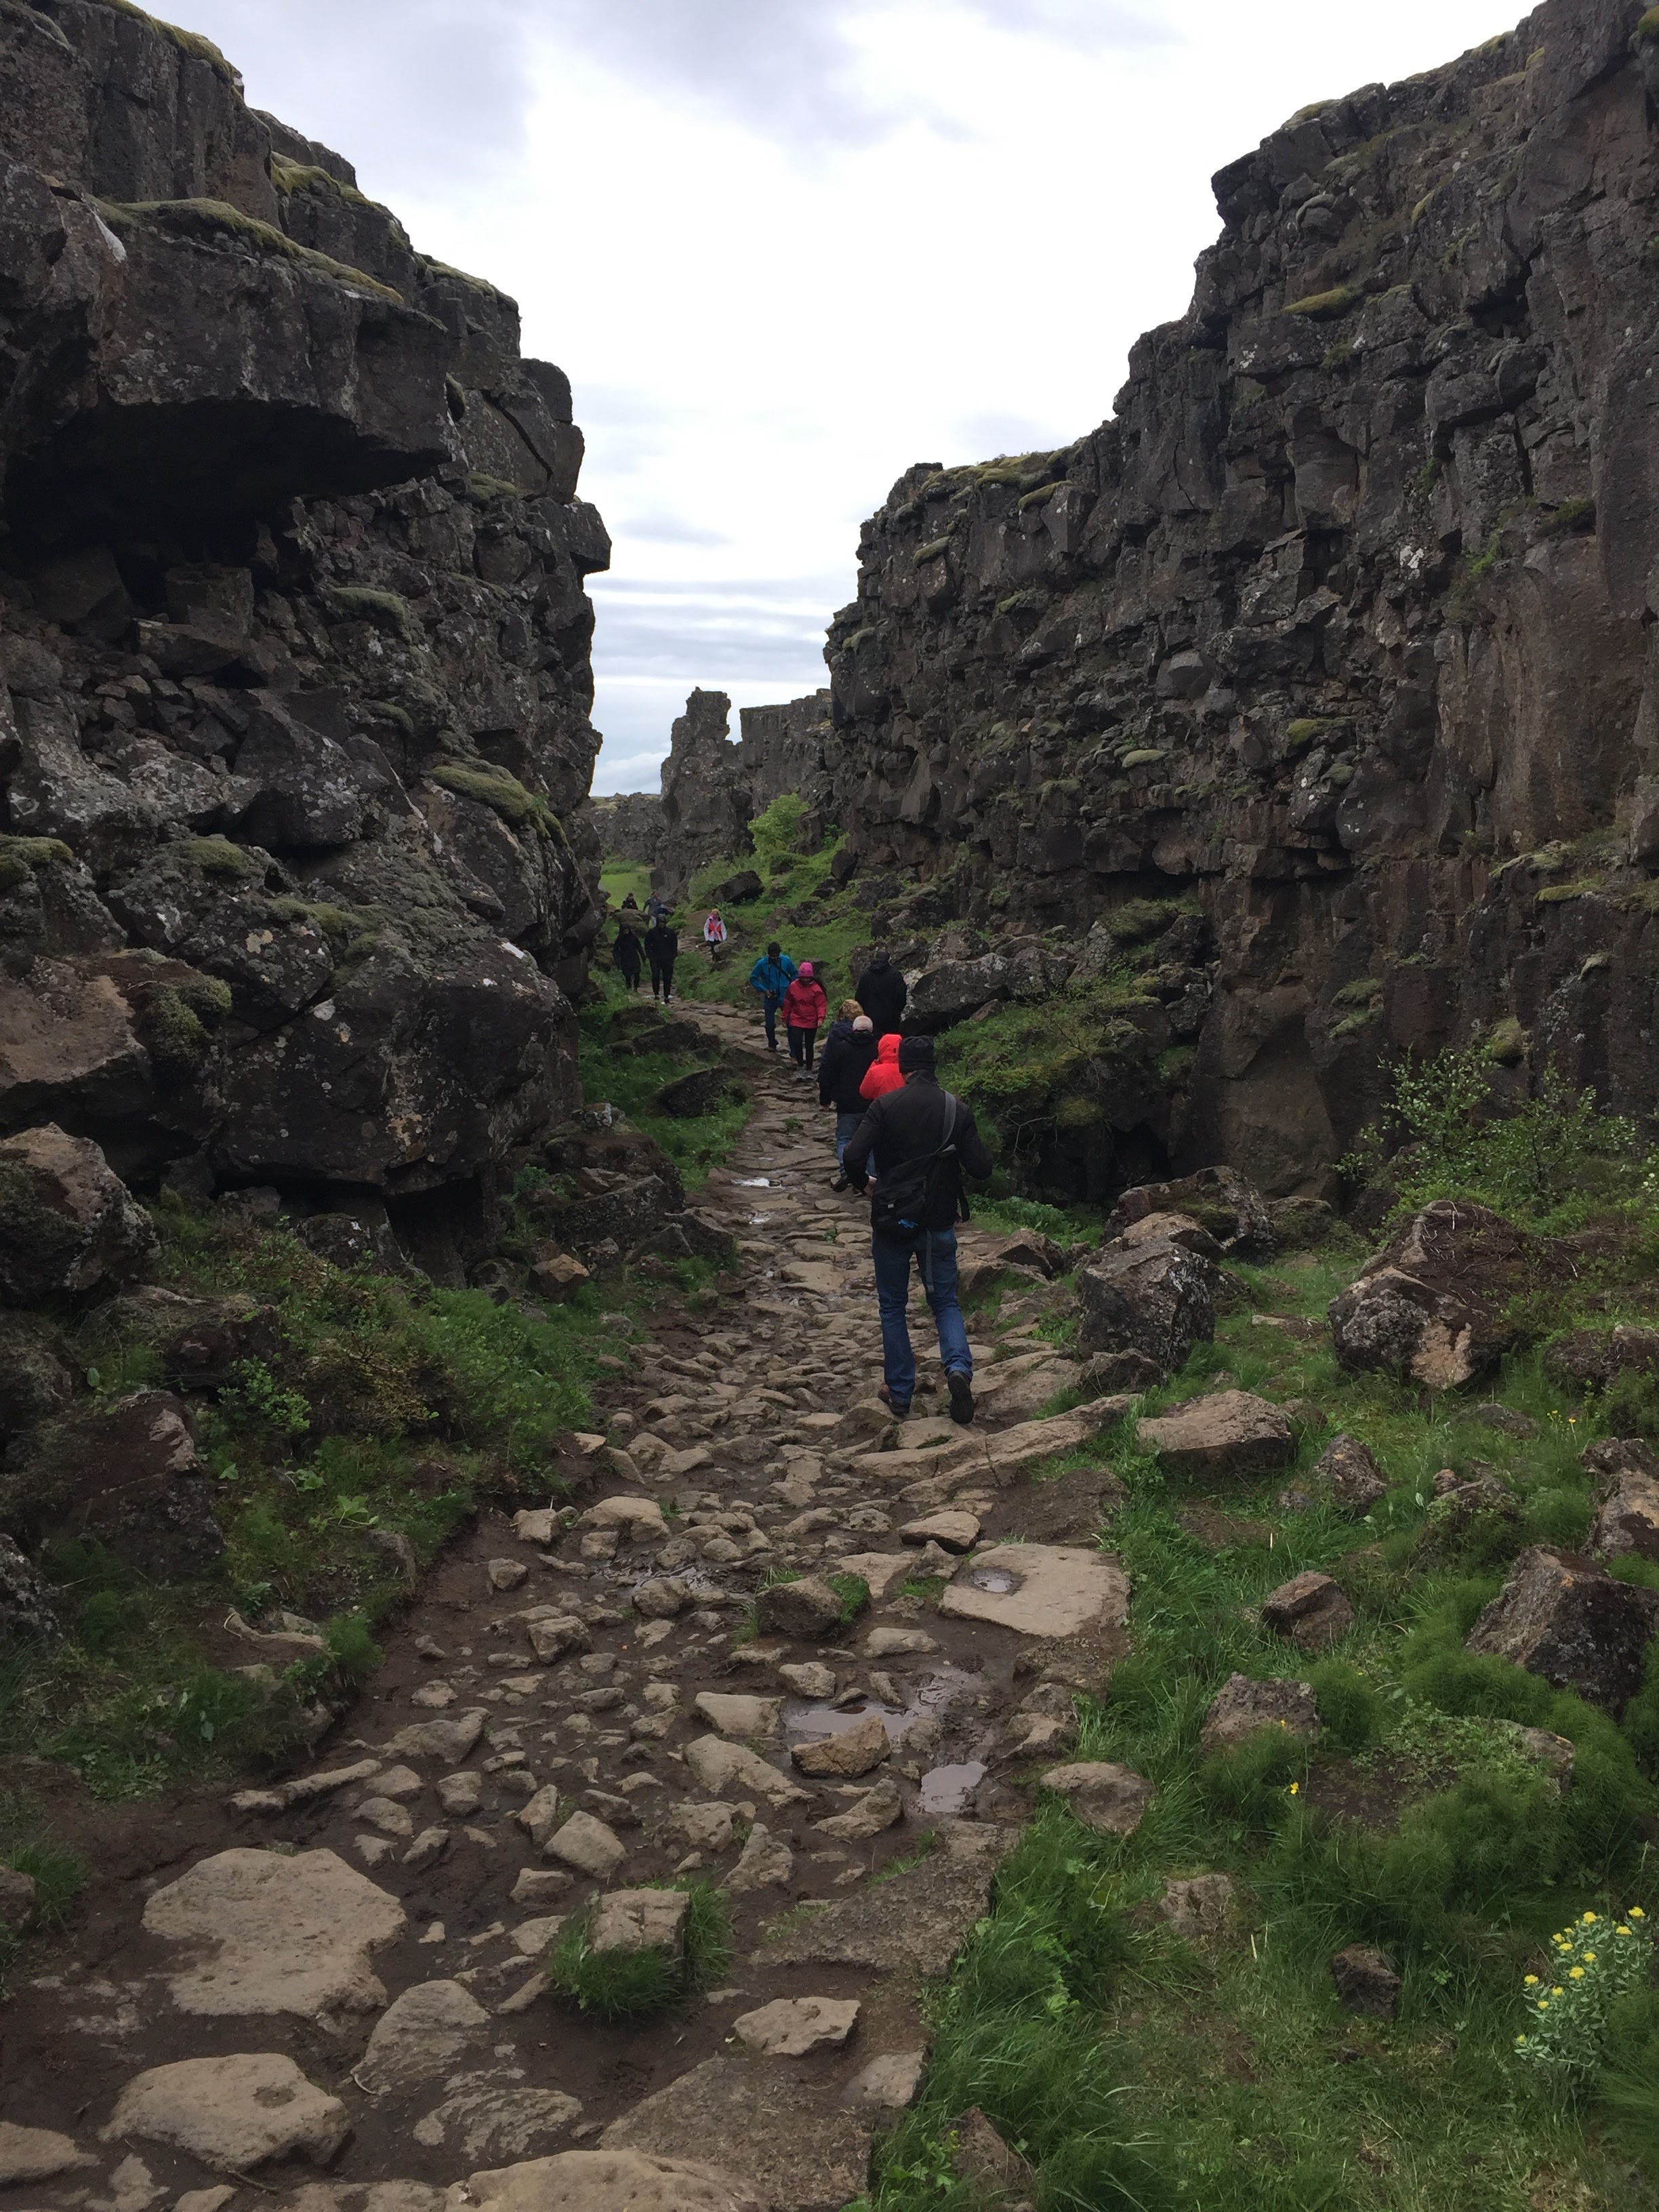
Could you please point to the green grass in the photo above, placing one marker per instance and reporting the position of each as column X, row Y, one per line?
column 634, row 1985
column 631, row 1083
column 619, row 878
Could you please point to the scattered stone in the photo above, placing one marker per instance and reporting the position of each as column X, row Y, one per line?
column 69, row 1226
column 629, row 1920
column 1310, row 1610
column 36, row 2155
column 640, row 1518
column 662, row 1599
column 716, row 1764
column 538, row 1525
column 234, row 2111
column 428, row 1847
column 1430, row 1306
column 985, row 2162
column 386, row 1817
column 914, row 1922
column 811, row 1679
column 557, row 1637
column 1509, row 1421
column 807, row 1608
column 1365, row 1981
column 795, row 2027
column 854, row 1751
column 743, row 1717
column 1352, row 1475
column 539, row 1885
column 461, row 1795
column 1243, row 1706
column 1111, row 1800
column 1556, row 1753
column 1228, row 1433
column 615, row 2181
column 767, row 1862
column 532, row 1938
column 506, row 1574
column 1627, row 1522
column 423, row 2034
column 205, row 2200
column 588, row 1845
column 889, row 2083
column 25, row 1609
column 953, row 1532
column 879, row 1568
column 1200, row 1907
column 699, row 1828
column 448, row 1742
column 281, row 1934
column 1153, row 1297
column 1039, row 1590
column 539, row 1818
column 1562, row 1617
column 870, row 1811
column 20, row 1897
column 481, row 2119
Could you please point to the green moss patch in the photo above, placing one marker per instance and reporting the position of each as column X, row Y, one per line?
column 1327, row 307
column 211, row 222
column 496, row 788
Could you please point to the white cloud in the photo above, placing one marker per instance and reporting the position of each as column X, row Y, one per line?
column 786, row 248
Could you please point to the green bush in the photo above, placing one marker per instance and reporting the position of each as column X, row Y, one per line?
column 1354, row 1714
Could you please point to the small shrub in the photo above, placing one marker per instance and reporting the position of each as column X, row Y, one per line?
column 852, row 1591
column 1353, row 1714
column 1594, row 1963
column 632, row 1984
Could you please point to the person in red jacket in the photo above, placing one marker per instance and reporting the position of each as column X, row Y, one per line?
column 884, row 1075
column 803, row 1007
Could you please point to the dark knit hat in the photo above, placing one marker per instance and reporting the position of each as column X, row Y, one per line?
column 915, row 1056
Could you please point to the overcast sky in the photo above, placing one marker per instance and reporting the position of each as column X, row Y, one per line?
column 784, row 248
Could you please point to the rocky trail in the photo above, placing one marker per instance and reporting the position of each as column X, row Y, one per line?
column 344, row 1975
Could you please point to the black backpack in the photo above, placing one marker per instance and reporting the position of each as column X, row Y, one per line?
column 905, row 1198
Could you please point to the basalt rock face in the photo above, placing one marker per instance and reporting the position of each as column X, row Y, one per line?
column 294, row 649
column 712, row 789
column 1342, row 623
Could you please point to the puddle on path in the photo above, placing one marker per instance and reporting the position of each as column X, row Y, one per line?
column 805, row 1719
column 997, row 1580
column 947, row 1789
column 754, row 1183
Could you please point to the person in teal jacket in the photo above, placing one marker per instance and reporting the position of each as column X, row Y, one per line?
column 771, row 975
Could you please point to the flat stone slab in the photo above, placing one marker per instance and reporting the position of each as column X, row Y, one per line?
column 1040, row 1590
column 767, row 2126
column 36, row 2155
column 915, row 1924
column 275, row 1934
column 880, row 1569
column 1111, row 1800
column 629, row 1920
column 1231, row 1433
column 717, row 1766
column 612, row 2180
column 423, row 2034
column 234, row 2111
column 793, row 2027
column 747, row 1718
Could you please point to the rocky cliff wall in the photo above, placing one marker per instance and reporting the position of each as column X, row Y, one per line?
column 294, row 724
column 630, row 825
column 1341, row 626
column 712, row 789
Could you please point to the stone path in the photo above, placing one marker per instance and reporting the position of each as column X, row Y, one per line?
column 334, row 1995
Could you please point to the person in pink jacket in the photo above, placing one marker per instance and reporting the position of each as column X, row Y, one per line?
column 884, row 1072
column 804, row 1007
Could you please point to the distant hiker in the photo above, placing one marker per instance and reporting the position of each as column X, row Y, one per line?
column 657, row 907
column 626, row 953
column 805, row 1008
column 629, row 916
column 882, row 1072
column 771, row 975
column 882, row 992
column 662, row 950
column 714, row 933
column 919, row 1140
column 849, row 1051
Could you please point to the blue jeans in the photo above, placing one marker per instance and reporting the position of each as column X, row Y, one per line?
column 935, row 1253
column 771, row 1005
column 846, row 1127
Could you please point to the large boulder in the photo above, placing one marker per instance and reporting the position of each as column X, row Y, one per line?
column 1430, row 1307
column 70, row 1229
column 1310, row 1611
column 36, row 1378
column 950, row 990
column 1350, row 1472
column 1157, row 1299
column 1561, row 1616
column 1627, row 1519
column 201, row 1342
column 1229, row 1433
column 125, row 1475
column 1220, row 1199
column 1589, row 1359
column 1243, row 1706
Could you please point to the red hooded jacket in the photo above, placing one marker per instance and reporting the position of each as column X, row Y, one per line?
column 804, row 1006
column 883, row 1074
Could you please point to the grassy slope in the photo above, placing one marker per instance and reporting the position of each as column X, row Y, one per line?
column 1142, row 2070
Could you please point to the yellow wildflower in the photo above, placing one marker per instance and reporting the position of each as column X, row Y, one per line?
column 1531, row 1982
column 1636, row 1913
column 1577, row 1974
column 1621, row 1930
column 1557, row 1991
column 1590, row 1957
column 1543, row 2004
column 1295, row 1788
column 1589, row 1920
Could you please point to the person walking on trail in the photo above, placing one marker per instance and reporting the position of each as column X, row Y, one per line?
column 714, row 933
column 771, row 975
column 849, row 1051
column 662, row 950
column 882, row 1073
column 625, row 954
column 656, row 906
column 920, row 1141
column 805, row 1010
column 882, row 992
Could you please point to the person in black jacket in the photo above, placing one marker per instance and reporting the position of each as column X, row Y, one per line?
column 882, row 992
column 662, row 950
column 849, row 1049
column 904, row 1128
column 626, row 955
